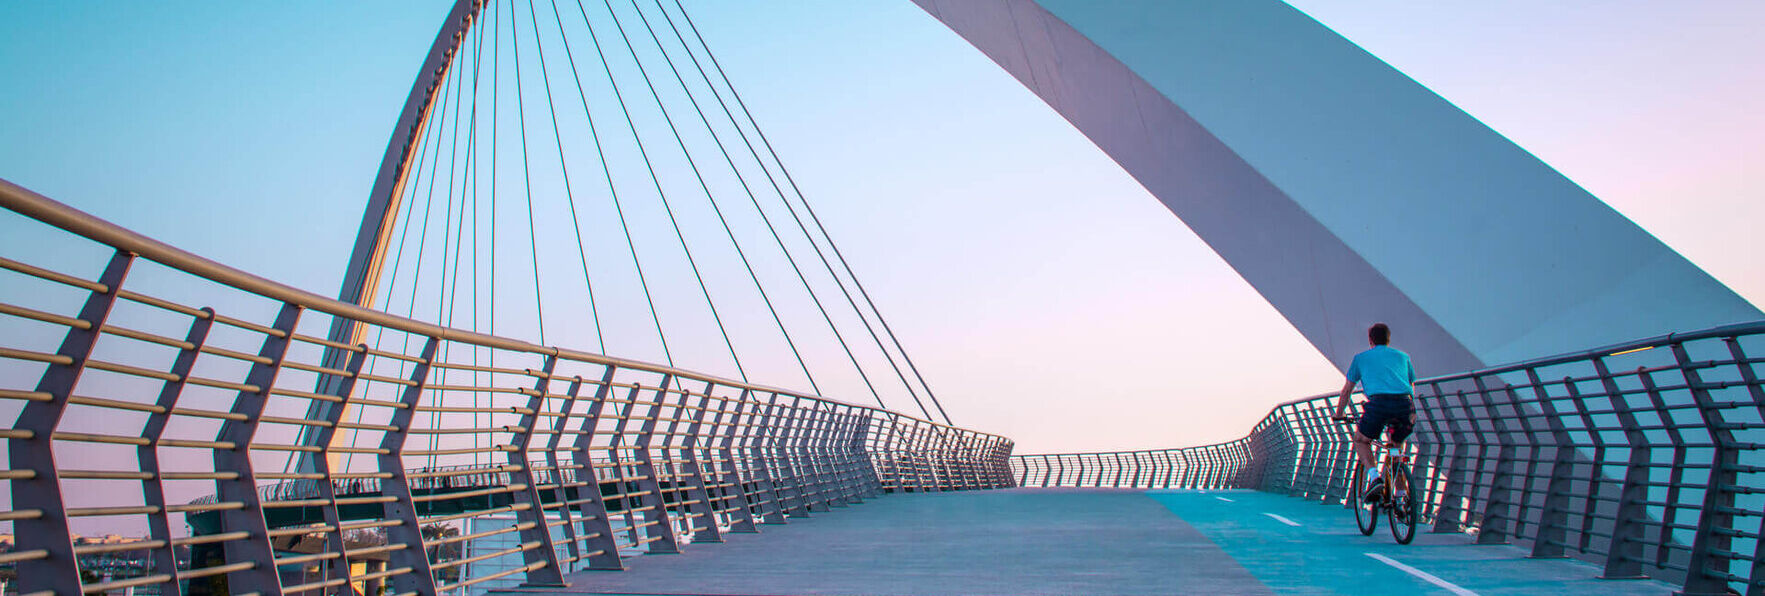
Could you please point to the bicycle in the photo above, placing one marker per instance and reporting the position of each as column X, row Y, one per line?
column 1402, row 512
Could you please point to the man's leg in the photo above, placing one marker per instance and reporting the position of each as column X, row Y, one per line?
column 1363, row 448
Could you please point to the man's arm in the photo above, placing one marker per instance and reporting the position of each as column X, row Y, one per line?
column 1342, row 399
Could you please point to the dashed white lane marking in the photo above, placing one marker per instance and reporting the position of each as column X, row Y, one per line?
column 1283, row 519
column 1225, row 499
column 1425, row 576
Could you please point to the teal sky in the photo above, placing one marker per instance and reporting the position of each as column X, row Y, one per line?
column 1043, row 292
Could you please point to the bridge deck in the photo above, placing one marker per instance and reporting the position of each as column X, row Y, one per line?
column 1078, row 541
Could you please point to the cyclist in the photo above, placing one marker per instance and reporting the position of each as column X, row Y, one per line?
column 1387, row 378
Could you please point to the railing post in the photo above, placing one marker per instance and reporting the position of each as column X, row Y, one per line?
column 729, row 473
column 242, row 488
column 825, row 435
column 662, row 539
column 839, row 443
column 1553, row 519
column 1624, row 556
column 31, row 447
column 757, row 443
column 1589, row 500
column 1497, row 521
column 597, row 523
column 1449, row 516
column 869, row 484
column 420, row 579
column 542, row 563
column 783, row 435
column 1756, row 580
column 1712, row 541
column 334, row 541
column 698, row 489
column 165, row 559
column 1668, row 520
column 1428, row 445
column 1168, row 466
column 1321, row 446
column 804, row 427
column 892, row 452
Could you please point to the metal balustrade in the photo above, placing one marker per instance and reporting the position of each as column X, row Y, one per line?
column 134, row 412
column 1647, row 458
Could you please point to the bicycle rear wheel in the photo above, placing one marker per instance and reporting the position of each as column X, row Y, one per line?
column 1366, row 515
column 1402, row 511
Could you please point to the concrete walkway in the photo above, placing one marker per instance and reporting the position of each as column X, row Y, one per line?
column 1070, row 541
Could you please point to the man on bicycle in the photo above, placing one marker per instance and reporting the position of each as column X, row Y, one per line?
column 1386, row 376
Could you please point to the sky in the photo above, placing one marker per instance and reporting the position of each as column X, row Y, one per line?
column 1043, row 293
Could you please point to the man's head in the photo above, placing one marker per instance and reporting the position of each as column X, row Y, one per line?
column 1379, row 334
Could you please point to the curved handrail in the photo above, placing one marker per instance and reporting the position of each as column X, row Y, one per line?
column 55, row 213
column 1645, row 468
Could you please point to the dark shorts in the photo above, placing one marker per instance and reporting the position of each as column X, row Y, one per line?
column 1387, row 411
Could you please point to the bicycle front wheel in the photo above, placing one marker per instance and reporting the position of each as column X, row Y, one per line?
column 1366, row 514
column 1402, row 511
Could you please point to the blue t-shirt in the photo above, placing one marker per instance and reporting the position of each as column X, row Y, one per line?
column 1382, row 370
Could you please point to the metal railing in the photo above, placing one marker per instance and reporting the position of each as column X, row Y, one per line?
column 1647, row 458
column 130, row 407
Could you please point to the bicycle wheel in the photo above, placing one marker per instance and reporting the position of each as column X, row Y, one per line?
column 1403, row 512
column 1366, row 515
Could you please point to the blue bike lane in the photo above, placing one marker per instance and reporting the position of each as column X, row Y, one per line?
column 1296, row 546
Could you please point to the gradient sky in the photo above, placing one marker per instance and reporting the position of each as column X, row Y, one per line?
column 1044, row 294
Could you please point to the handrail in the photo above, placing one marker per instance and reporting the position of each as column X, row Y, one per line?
column 1645, row 456
column 30, row 204
column 567, row 443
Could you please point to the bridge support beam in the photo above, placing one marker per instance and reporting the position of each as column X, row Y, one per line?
column 1342, row 190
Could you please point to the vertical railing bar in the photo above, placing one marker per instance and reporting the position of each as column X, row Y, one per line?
column 597, row 521
column 1595, row 477
column 1449, row 516
column 1711, row 539
column 1498, row 506
column 256, row 548
column 759, row 440
column 1624, row 555
column 698, row 489
column 165, row 560
column 1675, row 474
column 649, row 477
column 731, row 473
column 58, row 572
column 334, row 539
column 563, row 483
column 421, row 578
column 542, row 562
column 1756, row 579
column 1551, row 537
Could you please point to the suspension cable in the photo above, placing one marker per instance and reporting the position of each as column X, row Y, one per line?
column 742, row 134
column 607, row 171
column 663, row 195
column 709, row 196
column 767, row 220
column 563, row 166
column 791, row 181
column 526, row 175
